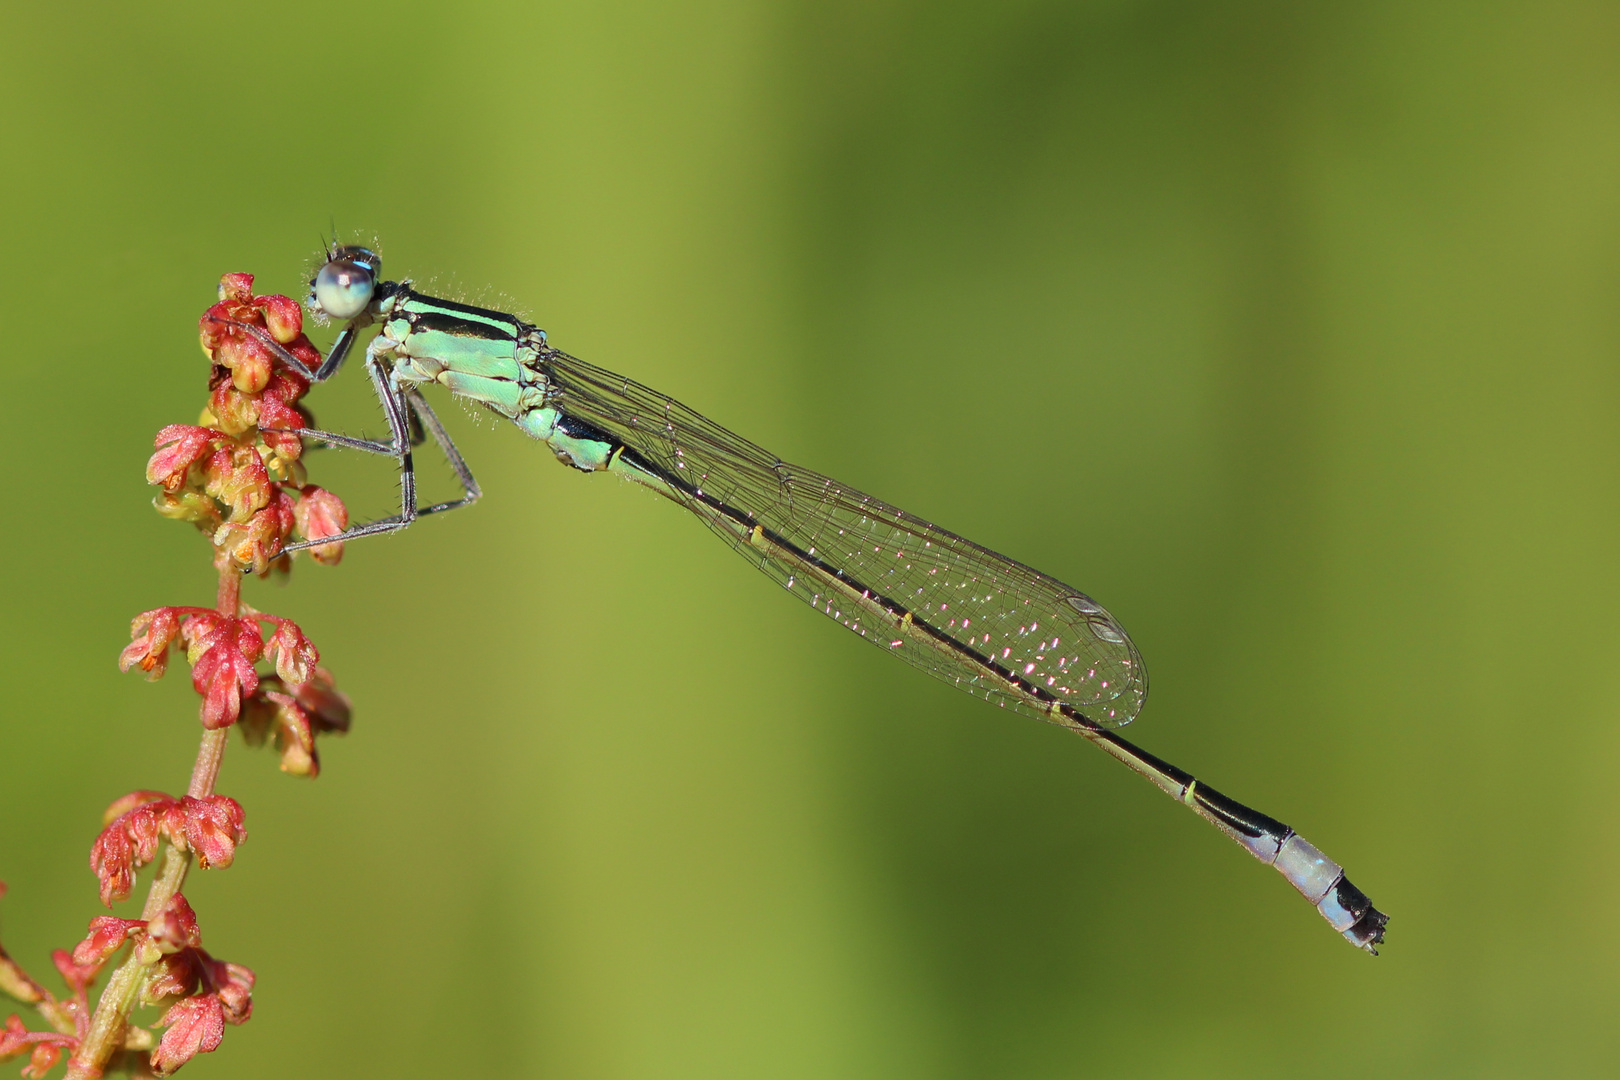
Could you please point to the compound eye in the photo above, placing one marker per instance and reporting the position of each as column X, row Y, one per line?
column 345, row 285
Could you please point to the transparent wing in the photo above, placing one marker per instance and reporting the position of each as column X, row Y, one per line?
column 986, row 616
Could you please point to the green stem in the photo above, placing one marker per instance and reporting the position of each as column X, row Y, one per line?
column 106, row 1033
column 111, row 1018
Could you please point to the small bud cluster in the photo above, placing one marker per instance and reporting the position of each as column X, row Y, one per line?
column 238, row 473
column 239, row 476
column 291, row 706
column 209, row 827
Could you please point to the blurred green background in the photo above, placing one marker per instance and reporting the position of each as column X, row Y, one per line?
column 1287, row 331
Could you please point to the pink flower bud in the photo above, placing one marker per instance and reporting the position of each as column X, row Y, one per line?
column 233, row 412
column 295, row 736
column 13, row 1036
column 236, row 476
column 283, row 317
column 196, row 1025
column 128, row 843
column 236, row 288
column 173, row 976
column 119, row 807
column 47, row 1046
column 175, row 927
column 295, row 718
column 200, row 631
column 44, row 1058
column 112, row 860
column 248, row 360
column 223, row 672
column 107, row 935
column 258, row 541
column 151, row 634
column 320, row 514
column 234, row 984
column 211, row 827
column 179, row 446
column 293, row 654
column 77, row 976
column 278, row 412
column 286, row 445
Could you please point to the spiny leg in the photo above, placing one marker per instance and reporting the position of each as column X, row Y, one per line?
column 409, row 415
column 416, row 432
column 328, row 367
column 402, row 425
column 410, row 418
column 334, row 360
column 423, row 414
column 396, row 407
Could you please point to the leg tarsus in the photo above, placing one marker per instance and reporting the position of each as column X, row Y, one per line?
column 263, row 337
column 392, row 394
column 334, row 359
column 347, row 442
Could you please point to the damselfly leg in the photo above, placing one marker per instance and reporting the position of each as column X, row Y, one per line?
column 409, row 417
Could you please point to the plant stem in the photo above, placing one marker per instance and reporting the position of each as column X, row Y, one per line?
column 230, row 591
column 205, row 771
column 118, row 1000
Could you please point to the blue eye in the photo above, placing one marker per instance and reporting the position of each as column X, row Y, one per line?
column 345, row 285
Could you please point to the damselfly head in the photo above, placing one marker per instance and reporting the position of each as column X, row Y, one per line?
column 343, row 288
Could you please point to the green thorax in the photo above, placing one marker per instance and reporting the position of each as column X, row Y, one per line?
column 488, row 356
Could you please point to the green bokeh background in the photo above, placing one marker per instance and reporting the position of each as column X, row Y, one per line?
column 1287, row 331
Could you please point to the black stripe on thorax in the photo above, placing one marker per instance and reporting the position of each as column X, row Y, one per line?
column 462, row 320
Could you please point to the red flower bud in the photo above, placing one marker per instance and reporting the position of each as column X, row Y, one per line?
column 175, row 927
column 128, row 843
column 320, row 514
column 195, row 1026
column 294, row 713
column 232, row 411
column 173, row 976
column 179, row 447
column 257, row 542
column 295, row 738
column 77, row 976
column 151, row 633
column 279, row 415
column 248, row 359
column 119, row 807
column 293, row 654
column 282, row 317
column 236, row 287
column 107, row 935
column 11, row 1036
column 236, row 476
column 224, row 651
column 234, row 984
column 112, row 860
column 47, row 1046
column 211, row 827
column 287, row 386
column 285, row 445
column 45, row 1057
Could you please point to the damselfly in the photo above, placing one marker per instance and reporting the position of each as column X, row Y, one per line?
column 981, row 621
